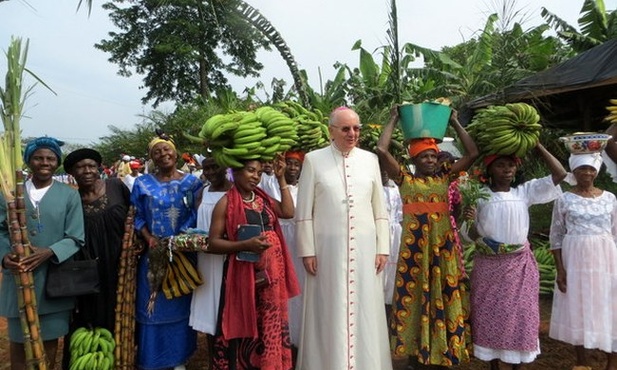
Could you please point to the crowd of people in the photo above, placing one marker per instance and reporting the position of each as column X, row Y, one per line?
column 339, row 258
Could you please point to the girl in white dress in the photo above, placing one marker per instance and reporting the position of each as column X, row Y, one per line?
column 583, row 233
column 294, row 160
column 394, row 204
column 206, row 298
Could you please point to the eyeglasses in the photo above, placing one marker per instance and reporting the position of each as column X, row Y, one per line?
column 346, row 129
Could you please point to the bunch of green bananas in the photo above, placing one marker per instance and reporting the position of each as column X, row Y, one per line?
column 311, row 125
column 92, row 349
column 239, row 136
column 612, row 111
column 546, row 267
column 510, row 129
column 369, row 136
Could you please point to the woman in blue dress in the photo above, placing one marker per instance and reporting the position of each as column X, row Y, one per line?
column 164, row 205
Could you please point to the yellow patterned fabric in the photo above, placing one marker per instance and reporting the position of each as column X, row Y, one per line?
column 181, row 278
column 431, row 302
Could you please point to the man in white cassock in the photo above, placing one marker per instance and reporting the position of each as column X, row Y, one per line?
column 343, row 238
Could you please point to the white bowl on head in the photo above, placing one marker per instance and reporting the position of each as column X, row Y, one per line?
column 585, row 142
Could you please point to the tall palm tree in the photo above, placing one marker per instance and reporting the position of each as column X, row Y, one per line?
column 595, row 23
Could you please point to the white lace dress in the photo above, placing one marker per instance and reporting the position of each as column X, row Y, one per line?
column 206, row 298
column 585, row 230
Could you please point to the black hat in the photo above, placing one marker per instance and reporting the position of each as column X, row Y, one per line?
column 80, row 154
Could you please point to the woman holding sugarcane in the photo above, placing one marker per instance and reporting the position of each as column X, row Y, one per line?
column 56, row 231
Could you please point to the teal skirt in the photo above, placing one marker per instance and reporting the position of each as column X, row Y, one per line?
column 53, row 326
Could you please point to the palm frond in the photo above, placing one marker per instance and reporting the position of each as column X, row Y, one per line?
column 261, row 23
column 593, row 19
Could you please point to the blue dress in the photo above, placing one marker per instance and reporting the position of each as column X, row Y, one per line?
column 164, row 337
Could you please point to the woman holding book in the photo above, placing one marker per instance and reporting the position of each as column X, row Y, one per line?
column 253, row 330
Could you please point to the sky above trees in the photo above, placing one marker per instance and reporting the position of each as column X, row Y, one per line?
column 91, row 96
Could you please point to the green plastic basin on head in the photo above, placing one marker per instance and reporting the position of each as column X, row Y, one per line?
column 424, row 120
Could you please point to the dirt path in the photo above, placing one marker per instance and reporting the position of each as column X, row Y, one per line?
column 555, row 355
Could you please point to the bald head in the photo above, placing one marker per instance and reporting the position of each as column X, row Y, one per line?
column 343, row 114
column 344, row 128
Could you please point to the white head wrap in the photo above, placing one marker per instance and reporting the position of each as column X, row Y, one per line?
column 576, row 160
column 199, row 158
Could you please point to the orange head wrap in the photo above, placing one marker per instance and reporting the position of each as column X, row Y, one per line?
column 299, row 155
column 417, row 146
column 492, row 157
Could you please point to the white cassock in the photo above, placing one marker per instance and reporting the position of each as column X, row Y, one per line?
column 341, row 219
column 206, row 297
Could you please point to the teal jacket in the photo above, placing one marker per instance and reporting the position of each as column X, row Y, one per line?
column 57, row 223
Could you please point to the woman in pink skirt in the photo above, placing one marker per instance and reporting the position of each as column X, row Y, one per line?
column 505, row 314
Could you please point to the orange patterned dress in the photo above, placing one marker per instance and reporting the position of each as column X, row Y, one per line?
column 431, row 302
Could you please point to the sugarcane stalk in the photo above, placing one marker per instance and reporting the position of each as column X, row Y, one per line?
column 124, row 333
column 26, row 296
column 12, row 99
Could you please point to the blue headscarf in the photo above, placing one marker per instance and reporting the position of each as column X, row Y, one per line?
column 43, row 142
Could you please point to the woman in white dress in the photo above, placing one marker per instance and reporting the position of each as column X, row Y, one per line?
column 583, row 233
column 294, row 160
column 206, row 298
column 505, row 312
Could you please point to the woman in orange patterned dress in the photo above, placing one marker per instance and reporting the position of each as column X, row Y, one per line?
column 253, row 328
column 429, row 320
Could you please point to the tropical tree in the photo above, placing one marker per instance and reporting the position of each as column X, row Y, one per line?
column 596, row 24
column 501, row 54
column 178, row 46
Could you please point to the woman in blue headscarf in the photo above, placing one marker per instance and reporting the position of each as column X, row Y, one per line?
column 56, row 228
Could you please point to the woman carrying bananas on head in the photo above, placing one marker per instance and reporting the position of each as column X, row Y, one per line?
column 258, row 275
column 505, row 282
column 422, row 329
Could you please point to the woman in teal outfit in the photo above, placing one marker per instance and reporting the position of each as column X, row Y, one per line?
column 56, row 228
column 165, row 206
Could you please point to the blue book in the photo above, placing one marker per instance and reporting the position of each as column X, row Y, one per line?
column 246, row 232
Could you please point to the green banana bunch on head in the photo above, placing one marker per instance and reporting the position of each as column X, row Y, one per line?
column 511, row 129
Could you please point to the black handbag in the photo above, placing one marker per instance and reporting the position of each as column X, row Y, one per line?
column 79, row 276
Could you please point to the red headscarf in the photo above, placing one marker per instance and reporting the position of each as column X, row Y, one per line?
column 417, row 146
column 299, row 155
column 492, row 157
column 135, row 165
